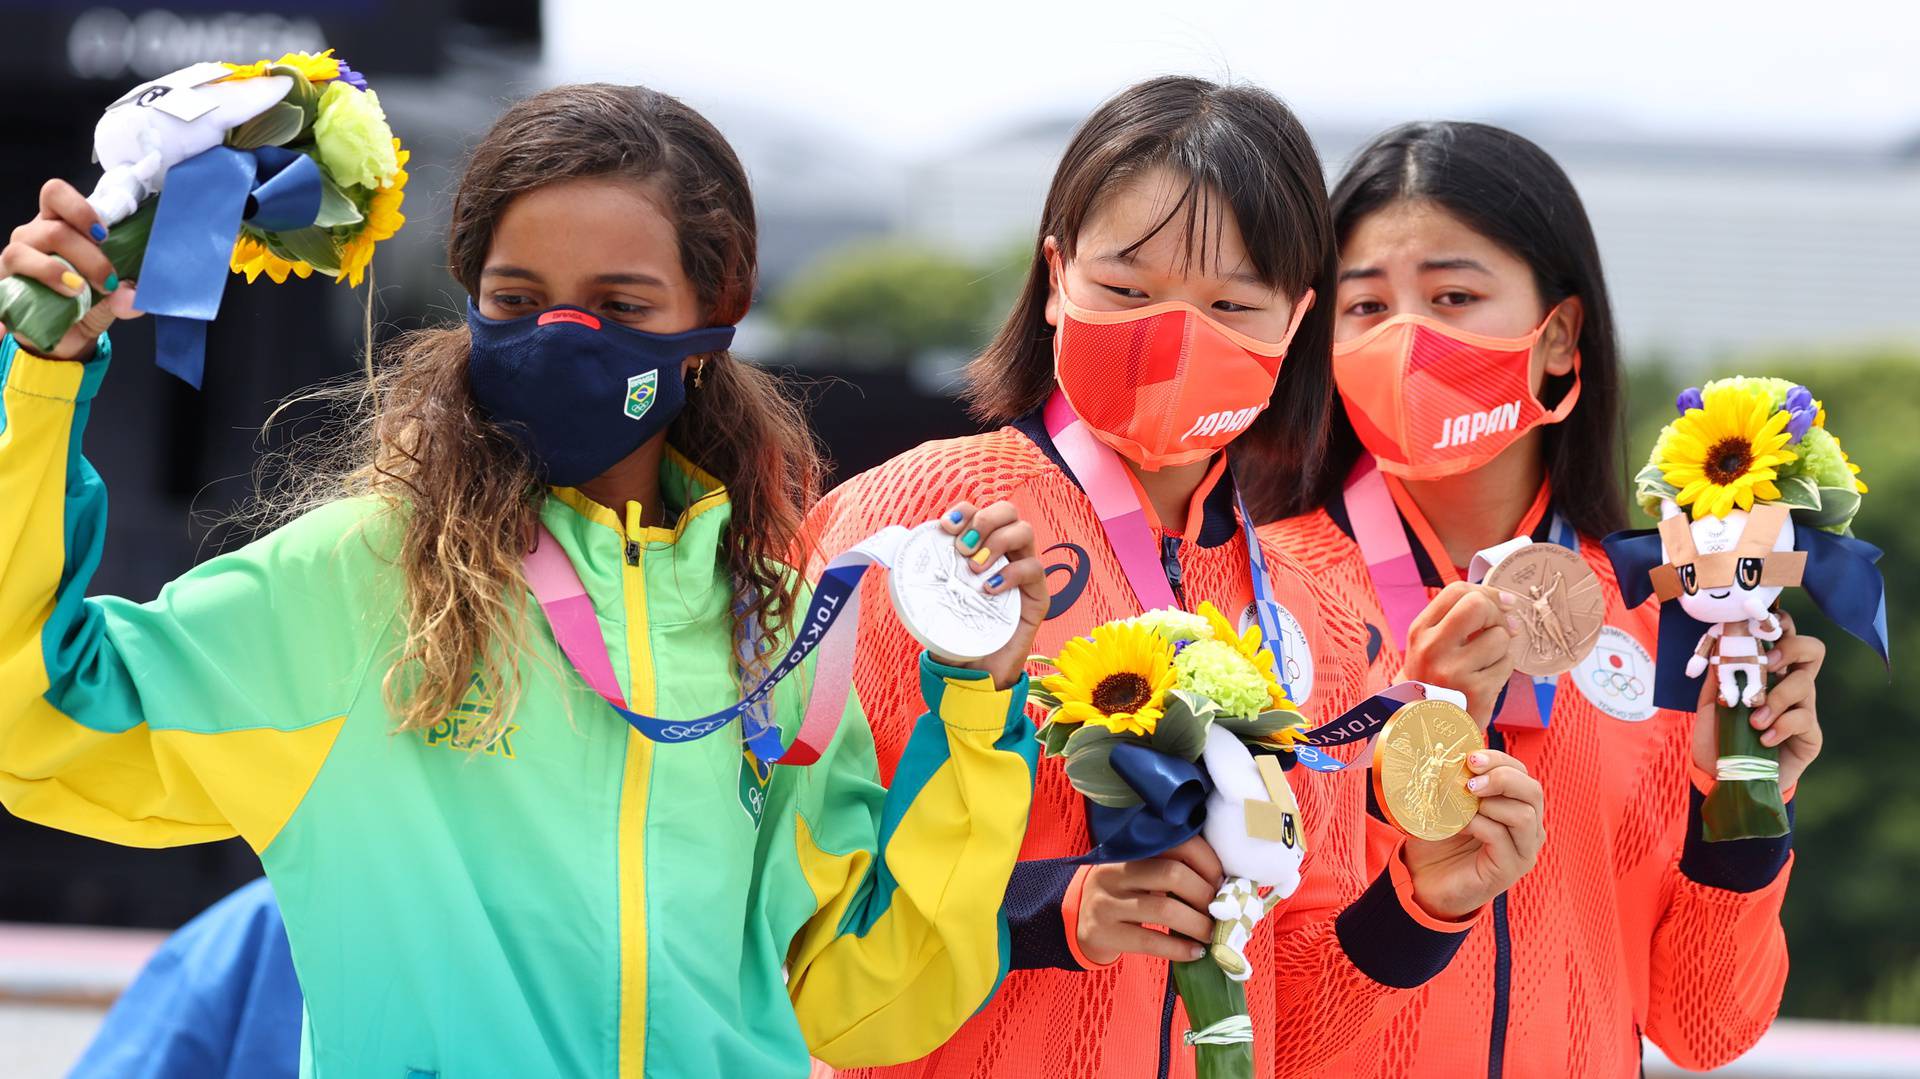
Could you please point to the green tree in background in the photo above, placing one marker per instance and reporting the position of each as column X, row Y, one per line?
column 1851, row 907
column 890, row 301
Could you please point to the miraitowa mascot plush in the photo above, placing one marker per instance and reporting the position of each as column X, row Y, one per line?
column 1754, row 496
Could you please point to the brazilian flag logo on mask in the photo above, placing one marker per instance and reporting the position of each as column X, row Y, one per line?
column 641, row 390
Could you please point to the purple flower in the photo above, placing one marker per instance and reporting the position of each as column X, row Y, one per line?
column 1798, row 423
column 351, row 77
column 1799, row 399
column 1689, row 398
column 1178, row 646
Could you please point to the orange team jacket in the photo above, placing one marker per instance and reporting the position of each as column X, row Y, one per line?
column 1335, row 962
column 1628, row 923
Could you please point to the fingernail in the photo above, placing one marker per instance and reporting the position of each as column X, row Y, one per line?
column 1476, row 783
column 99, row 232
column 996, row 580
column 971, row 539
column 1767, row 739
column 981, row 556
column 1197, row 952
column 1513, row 622
column 1508, row 599
column 1478, row 760
column 1761, row 715
column 72, row 280
column 113, row 281
column 954, row 516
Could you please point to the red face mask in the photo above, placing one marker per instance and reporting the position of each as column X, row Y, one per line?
column 1429, row 400
column 1164, row 385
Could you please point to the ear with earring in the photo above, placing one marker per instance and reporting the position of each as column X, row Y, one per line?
column 699, row 371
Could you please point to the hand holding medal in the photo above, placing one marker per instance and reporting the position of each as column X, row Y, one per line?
column 970, row 588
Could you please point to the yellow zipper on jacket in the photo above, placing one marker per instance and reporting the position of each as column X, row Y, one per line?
column 635, row 787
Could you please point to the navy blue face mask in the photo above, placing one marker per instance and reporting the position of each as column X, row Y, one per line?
column 579, row 392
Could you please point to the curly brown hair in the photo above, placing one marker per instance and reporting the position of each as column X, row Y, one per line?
column 468, row 494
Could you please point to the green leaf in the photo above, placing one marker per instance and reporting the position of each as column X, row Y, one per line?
column 1089, row 735
column 1799, row 492
column 338, row 209
column 1182, row 732
column 1837, row 507
column 304, row 95
column 1091, row 773
column 277, row 126
column 313, row 246
column 1053, row 737
column 1268, row 723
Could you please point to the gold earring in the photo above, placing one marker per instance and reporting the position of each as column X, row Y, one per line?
column 699, row 372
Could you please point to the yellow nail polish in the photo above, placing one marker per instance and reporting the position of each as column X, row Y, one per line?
column 72, row 280
column 980, row 556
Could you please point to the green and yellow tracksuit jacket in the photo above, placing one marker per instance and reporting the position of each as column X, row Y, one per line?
column 572, row 900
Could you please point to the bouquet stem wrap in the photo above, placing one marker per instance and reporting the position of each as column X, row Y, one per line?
column 1743, row 808
column 39, row 317
column 1222, row 1048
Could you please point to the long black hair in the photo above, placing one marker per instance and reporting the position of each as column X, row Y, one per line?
column 1237, row 145
column 1508, row 190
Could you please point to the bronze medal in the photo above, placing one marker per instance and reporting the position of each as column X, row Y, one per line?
column 1420, row 769
column 1560, row 604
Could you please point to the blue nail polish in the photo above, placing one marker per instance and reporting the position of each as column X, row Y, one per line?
column 971, row 539
column 954, row 516
column 996, row 580
column 113, row 281
column 99, row 232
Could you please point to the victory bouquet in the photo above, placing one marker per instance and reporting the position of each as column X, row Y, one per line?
column 282, row 167
column 1754, row 495
column 1171, row 723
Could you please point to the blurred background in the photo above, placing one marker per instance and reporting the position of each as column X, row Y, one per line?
column 1752, row 171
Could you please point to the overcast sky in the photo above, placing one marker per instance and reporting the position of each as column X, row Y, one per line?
column 912, row 78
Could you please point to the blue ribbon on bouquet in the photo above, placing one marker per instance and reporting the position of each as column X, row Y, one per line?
column 190, row 250
column 1173, row 805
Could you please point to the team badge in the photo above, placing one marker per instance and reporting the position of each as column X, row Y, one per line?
column 641, row 390
column 1617, row 676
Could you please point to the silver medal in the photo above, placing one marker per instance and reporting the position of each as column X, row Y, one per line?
column 938, row 598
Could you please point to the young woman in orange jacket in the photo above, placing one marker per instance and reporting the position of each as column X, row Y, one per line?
column 1480, row 392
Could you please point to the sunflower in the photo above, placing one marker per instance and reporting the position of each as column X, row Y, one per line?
column 1117, row 678
column 317, row 67
column 1253, row 648
column 1726, row 453
column 253, row 258
column 383, row 220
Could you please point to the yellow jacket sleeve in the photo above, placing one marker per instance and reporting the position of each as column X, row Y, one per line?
column 199, row 716
column 909, row 940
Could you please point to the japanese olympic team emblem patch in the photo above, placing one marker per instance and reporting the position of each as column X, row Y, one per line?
column 1617, row 676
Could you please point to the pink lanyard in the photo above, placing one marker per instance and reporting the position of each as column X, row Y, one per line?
column 1102, row 475
column 1377, row 530
column 831, row 624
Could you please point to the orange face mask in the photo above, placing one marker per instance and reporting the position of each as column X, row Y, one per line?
column 1164, row 385
column 1429, row 400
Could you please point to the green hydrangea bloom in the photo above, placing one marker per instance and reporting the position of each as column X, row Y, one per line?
column 1820, row 459
column 353, row 138
column 1176, row 626
column 1218, row 672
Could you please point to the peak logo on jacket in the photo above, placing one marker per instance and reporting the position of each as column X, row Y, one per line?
column 460, row 729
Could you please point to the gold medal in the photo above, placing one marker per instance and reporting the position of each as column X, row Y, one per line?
column 1560, row 604
column 1420, row 769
